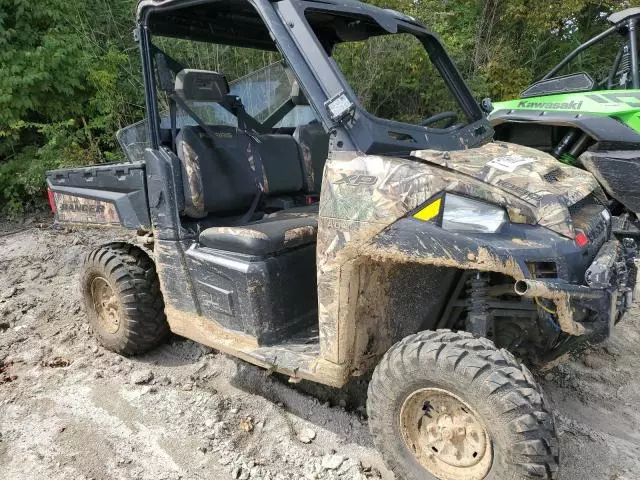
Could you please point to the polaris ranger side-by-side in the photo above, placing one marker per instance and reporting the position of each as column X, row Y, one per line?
column 275, row 218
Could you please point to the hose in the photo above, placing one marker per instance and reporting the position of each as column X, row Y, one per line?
column 543, row 307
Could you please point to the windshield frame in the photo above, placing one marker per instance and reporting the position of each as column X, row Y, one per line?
column 365, row 132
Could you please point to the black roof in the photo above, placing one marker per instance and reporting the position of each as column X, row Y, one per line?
column 369, row 9
column 236, row 22
column 230, row 22
column 624, row 15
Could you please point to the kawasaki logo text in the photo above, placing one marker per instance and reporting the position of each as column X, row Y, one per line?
column 551, row 105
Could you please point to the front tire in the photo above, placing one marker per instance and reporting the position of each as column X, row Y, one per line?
column 122, row 299
column 445, row 405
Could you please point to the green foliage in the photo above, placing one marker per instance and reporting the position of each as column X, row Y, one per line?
column 71, row 71
column 22, row 175
column 70, row 79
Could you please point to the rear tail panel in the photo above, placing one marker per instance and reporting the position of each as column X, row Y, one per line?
column 109, row 195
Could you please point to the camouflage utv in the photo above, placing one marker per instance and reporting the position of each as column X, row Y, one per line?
column 277, row 219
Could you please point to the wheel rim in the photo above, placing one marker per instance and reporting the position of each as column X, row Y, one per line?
column 106, row 305
column 445, row 435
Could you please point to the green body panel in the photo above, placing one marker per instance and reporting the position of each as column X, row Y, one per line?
column 621, row 104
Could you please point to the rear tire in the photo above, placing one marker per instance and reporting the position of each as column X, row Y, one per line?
column 434, row 397
column 122, row 299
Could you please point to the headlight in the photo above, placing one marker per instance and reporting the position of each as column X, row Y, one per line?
column 463, row 214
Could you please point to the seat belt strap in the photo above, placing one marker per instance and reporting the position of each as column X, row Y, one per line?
column 174, row 126
column 194, row 115
column 246, row 218
column 258, row 172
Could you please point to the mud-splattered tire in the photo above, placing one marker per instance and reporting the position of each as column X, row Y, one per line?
column 471, row 377
column 122, row 299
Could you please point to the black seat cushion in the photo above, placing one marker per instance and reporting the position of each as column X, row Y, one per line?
column 265, row 237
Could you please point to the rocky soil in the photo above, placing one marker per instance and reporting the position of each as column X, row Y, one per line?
column 69, row 409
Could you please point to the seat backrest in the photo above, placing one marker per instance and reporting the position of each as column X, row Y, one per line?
column 313, row 143
column 216, row 177
column 201, row 86
column 218, row 174
column 281, row 164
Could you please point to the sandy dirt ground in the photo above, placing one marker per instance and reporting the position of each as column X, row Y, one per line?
column 69, row 409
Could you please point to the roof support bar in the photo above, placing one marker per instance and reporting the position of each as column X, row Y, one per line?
column 579, row 50
column 633, row 37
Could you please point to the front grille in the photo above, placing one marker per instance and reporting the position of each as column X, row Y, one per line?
column 543, row 269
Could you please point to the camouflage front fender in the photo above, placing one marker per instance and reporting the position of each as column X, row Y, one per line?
column 363, row 220
column 509, row 251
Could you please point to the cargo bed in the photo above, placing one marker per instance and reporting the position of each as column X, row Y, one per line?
column 112, row 194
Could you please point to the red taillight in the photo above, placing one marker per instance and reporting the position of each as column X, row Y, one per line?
column 52, row 201
column 311, row 199
column 581, row 239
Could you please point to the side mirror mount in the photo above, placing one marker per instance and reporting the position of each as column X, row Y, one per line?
column 486, row 105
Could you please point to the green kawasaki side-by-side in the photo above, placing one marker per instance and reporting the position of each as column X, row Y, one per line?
column 621, row 105
column 593, row 124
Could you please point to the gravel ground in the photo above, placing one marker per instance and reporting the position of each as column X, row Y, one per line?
column 69, row 409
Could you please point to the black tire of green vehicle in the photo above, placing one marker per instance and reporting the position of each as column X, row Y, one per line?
column 132, row 276
column 500, row 389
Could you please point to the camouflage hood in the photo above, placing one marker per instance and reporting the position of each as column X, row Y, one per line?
column 533, row 176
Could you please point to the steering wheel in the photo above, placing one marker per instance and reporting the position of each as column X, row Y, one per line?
column 451, row 117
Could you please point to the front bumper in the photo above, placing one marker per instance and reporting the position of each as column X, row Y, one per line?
column 592, row 309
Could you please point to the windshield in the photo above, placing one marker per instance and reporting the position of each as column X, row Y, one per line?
column 394, row 79
column 391, row 74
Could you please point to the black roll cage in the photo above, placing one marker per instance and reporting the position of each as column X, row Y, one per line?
column 321, row 79
column 627, row 22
